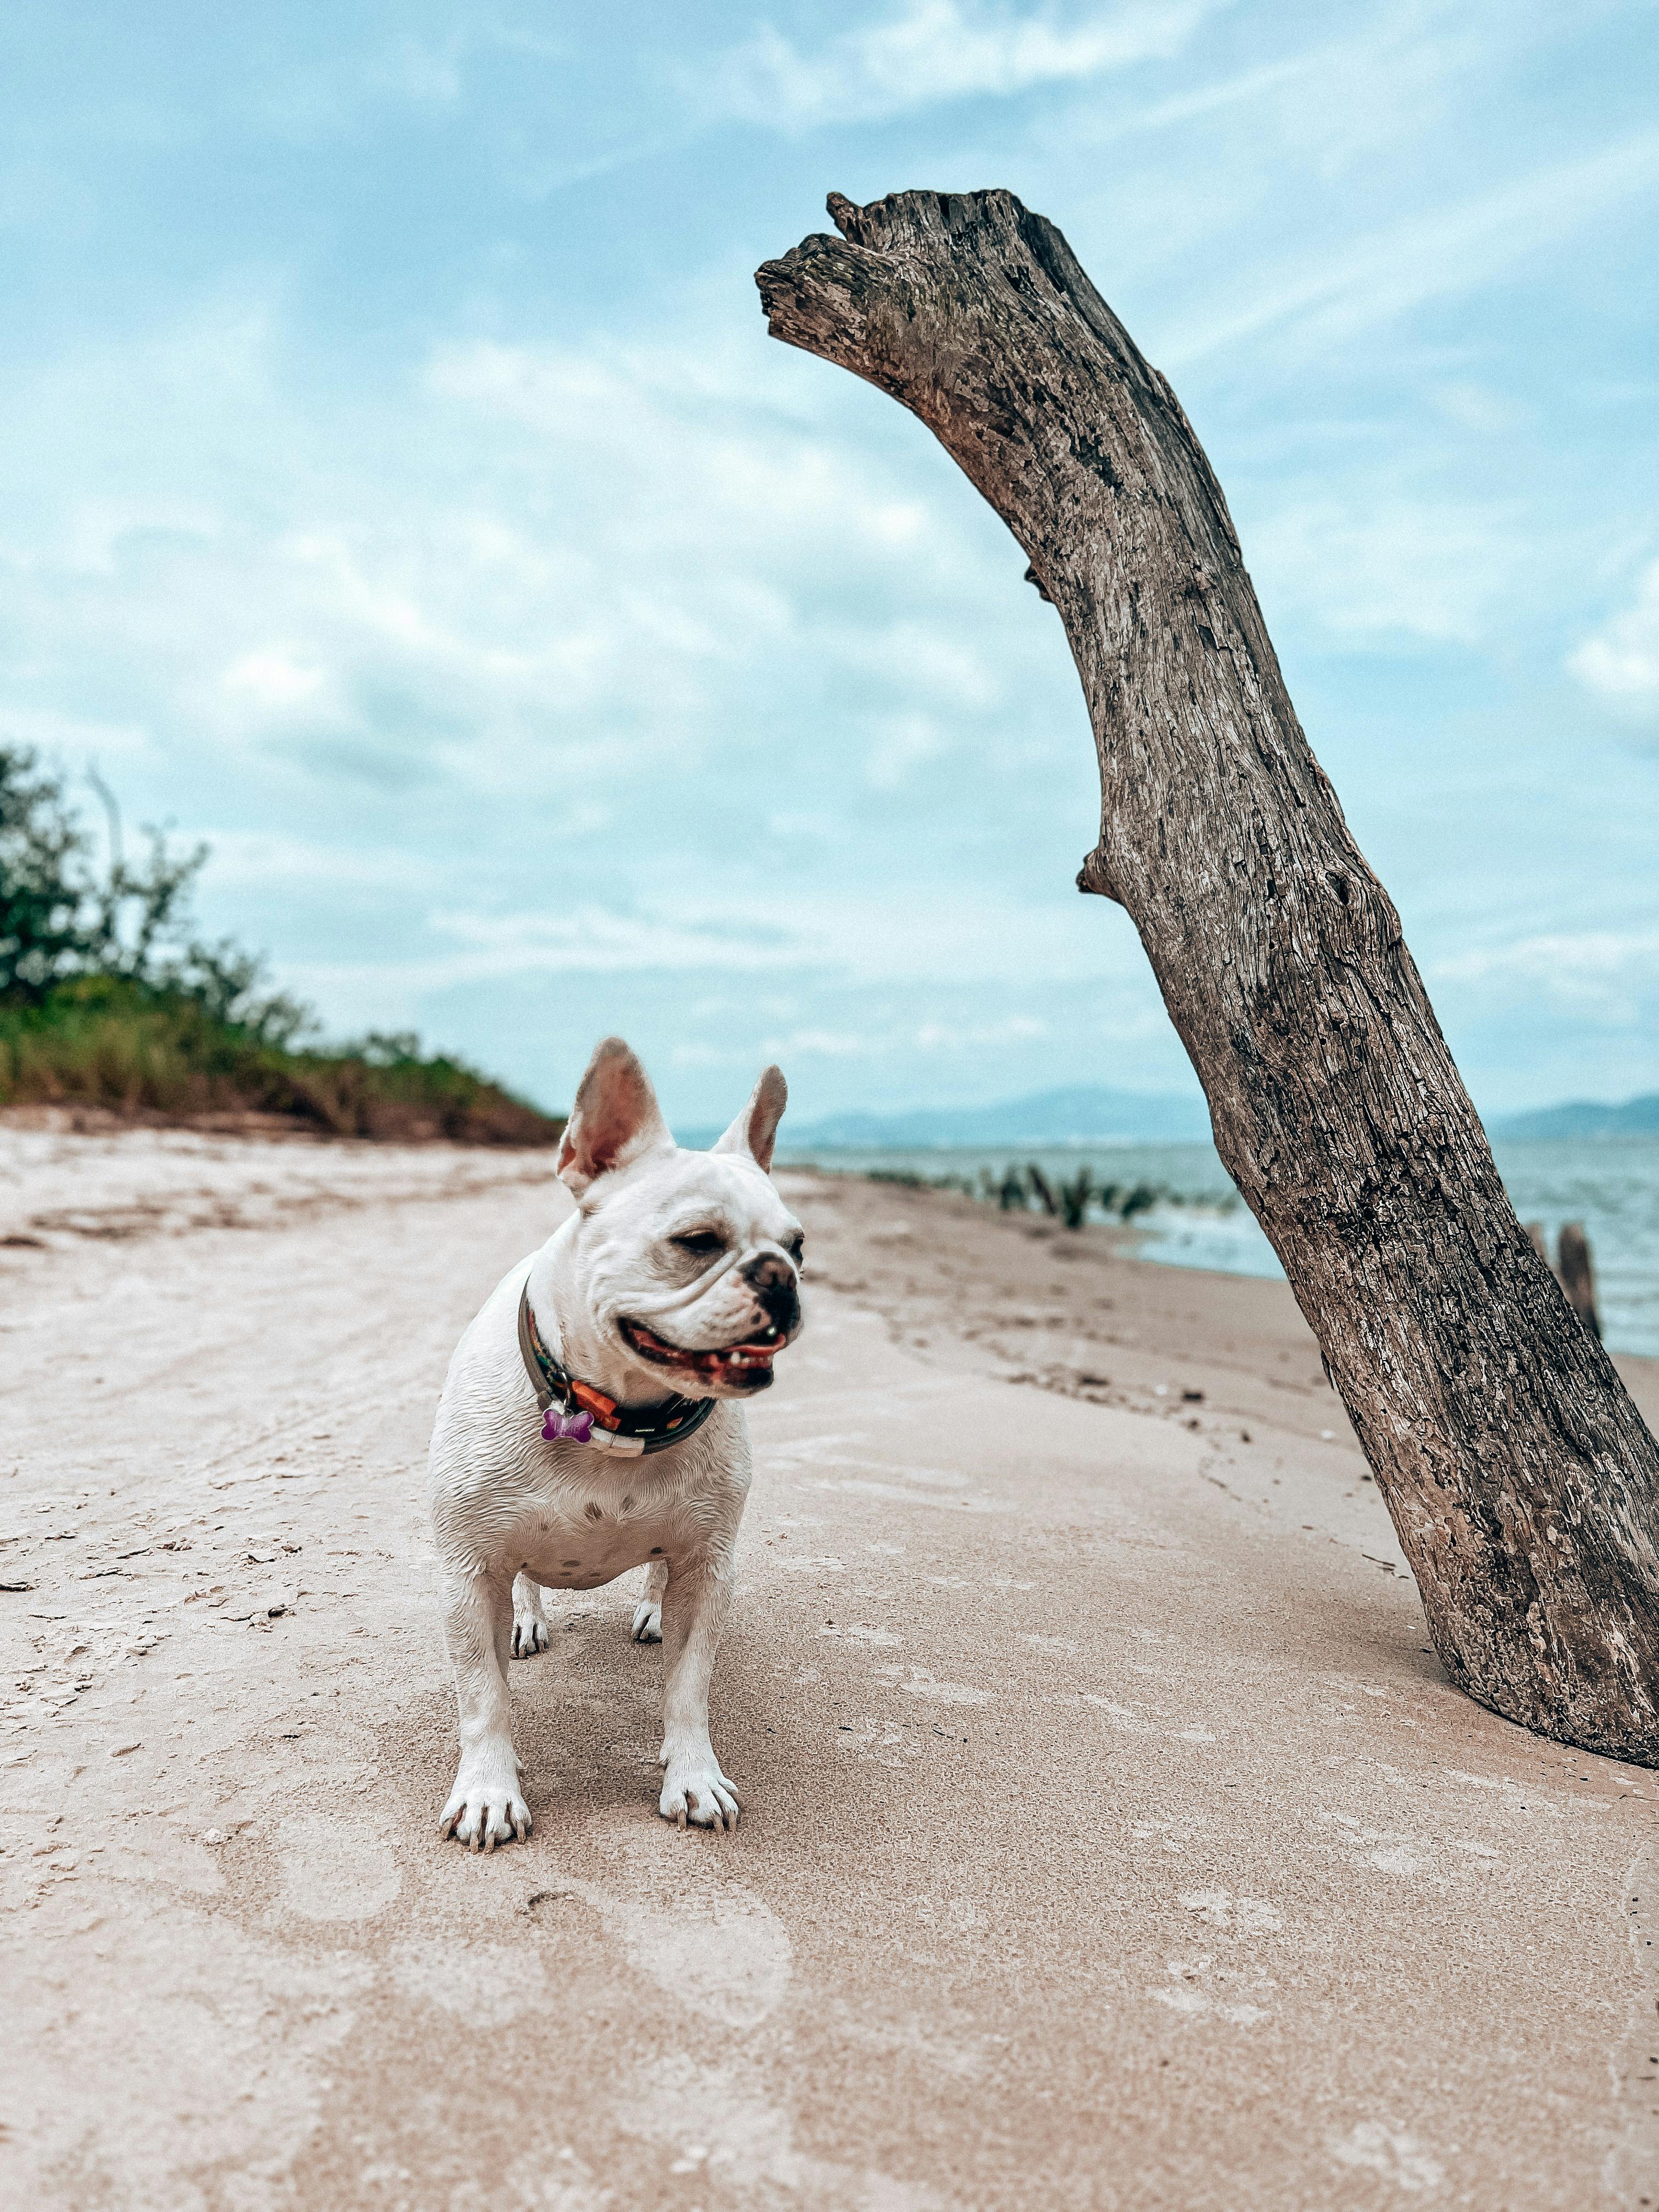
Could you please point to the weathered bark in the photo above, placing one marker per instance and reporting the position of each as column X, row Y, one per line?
column 1522, row 1482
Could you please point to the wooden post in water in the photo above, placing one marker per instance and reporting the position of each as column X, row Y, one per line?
column 1577, row 1275
column 1043, row 1188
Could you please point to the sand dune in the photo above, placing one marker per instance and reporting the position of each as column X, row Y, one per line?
column 1110, row 1839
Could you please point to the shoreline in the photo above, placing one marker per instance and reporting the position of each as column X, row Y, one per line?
column 1189, row 1214
column 1077, row 1312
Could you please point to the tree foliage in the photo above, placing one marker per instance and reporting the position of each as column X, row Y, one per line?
column 65, row 918
column 108, row 998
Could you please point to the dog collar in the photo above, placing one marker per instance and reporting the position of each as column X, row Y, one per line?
column 576, row 1410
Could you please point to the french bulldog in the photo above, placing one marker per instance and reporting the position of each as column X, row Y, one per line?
column 591, row 1422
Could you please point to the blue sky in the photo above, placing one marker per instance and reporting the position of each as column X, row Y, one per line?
column 401, row 492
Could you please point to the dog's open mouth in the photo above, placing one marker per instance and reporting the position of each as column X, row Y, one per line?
column 746, row 1365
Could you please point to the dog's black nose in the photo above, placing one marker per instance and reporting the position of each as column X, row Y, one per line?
column 773, row 1280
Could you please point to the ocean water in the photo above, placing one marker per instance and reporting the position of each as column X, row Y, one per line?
column 1197, row 1219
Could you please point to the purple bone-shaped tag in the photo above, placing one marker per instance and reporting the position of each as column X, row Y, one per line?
column 578, row 1427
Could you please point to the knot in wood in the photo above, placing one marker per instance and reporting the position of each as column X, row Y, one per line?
column 1092, row 877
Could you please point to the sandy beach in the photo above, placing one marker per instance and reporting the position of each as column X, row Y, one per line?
column 1111, row 1838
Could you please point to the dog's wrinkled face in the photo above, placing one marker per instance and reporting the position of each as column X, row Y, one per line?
column 692, row 1263
column 687, row 1263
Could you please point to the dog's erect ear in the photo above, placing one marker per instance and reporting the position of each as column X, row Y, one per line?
column 756, row 1130
column 615, row 1120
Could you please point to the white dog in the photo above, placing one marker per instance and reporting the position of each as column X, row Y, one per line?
column 558, row 1462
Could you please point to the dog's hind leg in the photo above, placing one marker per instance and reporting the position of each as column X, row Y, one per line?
column 648, row 1613
column 532, row 1631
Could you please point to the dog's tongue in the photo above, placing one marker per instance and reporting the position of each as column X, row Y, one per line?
column 731, row 1355
column 726, row 1356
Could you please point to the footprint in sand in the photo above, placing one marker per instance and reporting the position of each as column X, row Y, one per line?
column 334, row 1873
column 683, row 1920
column 738, row 2138
column 924, row 1685
column 488, row 1984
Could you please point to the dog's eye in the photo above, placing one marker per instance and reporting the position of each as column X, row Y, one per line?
column 795, row 1246
column 700, row 1243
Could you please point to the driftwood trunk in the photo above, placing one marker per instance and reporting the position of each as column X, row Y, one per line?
column 1521, row 1479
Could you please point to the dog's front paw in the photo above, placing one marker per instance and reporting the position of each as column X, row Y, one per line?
column 647, row 1622
column 695, row 1790
column 482, row 1812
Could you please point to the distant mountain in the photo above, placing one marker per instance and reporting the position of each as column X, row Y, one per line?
column 1092, row 1115
column 1081, row 1115
column 1585, row 1117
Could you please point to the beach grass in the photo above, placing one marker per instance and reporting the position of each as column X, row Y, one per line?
column 142, row 1052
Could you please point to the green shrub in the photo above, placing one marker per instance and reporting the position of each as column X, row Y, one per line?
column 107, row 1000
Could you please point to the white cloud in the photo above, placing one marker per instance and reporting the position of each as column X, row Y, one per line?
column 518, row 561
column 1390, row 76
column 1443, row 252
column 933, row 51
column 72, row 740
column 548, row 669
column 898, row 979
column 872, row 938
column 1475, row 406
column 425, row 75
column 1621, row 661
column 901, row 744
column 1607, row 978
column 339, row 85
column 947, row 1037
column 273, row 679
column 948, row 665
column 821, row 1044
column 246, row 859
column 1372, row 564
column 601, row 939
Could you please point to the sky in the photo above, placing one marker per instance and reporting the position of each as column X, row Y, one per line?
column 400, row 492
